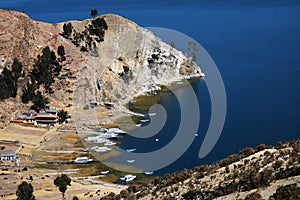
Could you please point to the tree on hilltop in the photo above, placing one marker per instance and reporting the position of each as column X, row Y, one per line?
column 94, row 13
column 67, row 30
column 193, row 49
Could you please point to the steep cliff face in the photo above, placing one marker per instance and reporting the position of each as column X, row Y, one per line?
column 114, row 58
column 132, row 61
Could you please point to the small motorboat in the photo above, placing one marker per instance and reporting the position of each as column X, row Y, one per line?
column 144, row 120
column 102, row 149
column 104, row 172
column 109, row 135
column 82, row 160
column 128, row 178
column 152, row 114
column 131, row 150
column 148, row 173
column 130, row 161
column 109, row 143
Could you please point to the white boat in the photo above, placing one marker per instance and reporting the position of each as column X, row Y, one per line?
column 116, row 131
column 138, row 125
column 95, row 147
column 135, row 114
column 152, row 114
column 101, row 140
column 108, row 135
column 96, row 139
column 130, row 161
column 82, row 160
column 148, row 173
column 104, row 172
column 131, row 150
column 84, row 149
column 187, row 77
column 144, row 120
column 128, row 178
column 102, row 149
column 109, row 143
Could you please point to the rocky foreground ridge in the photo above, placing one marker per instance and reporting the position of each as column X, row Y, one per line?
column 112, row 58
column 263, row 173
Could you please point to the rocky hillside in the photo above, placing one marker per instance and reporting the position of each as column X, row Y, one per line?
column 264, row 173
column 24, row 39
column 112, row 56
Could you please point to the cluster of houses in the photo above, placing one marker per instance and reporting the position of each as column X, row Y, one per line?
column 49, row 117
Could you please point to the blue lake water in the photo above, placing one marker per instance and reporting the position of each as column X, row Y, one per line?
column 255, row 45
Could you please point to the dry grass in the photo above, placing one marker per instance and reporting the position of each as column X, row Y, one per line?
column 29, row 135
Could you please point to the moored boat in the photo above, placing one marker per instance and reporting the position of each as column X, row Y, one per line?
column 82, row 160
column 128, row 178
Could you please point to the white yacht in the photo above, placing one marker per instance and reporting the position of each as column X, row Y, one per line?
column 82, row 160
column 130, row 161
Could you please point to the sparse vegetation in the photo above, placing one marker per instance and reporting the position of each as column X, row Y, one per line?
column 9, row 80
column 62, row 115
column 87, row 39
column 39, row 101
column 45, row 69
column 244, row 175
column 288, row 192
column 61, row 52
column 25, row 191
column 254, row 196
column 62, row 183
column 193, row 49
column 67, row 30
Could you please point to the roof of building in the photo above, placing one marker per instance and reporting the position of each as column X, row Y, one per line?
column 8, row 154
column 46, row 116
column 43, row 113
column 52, row 111
column 94, row 102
